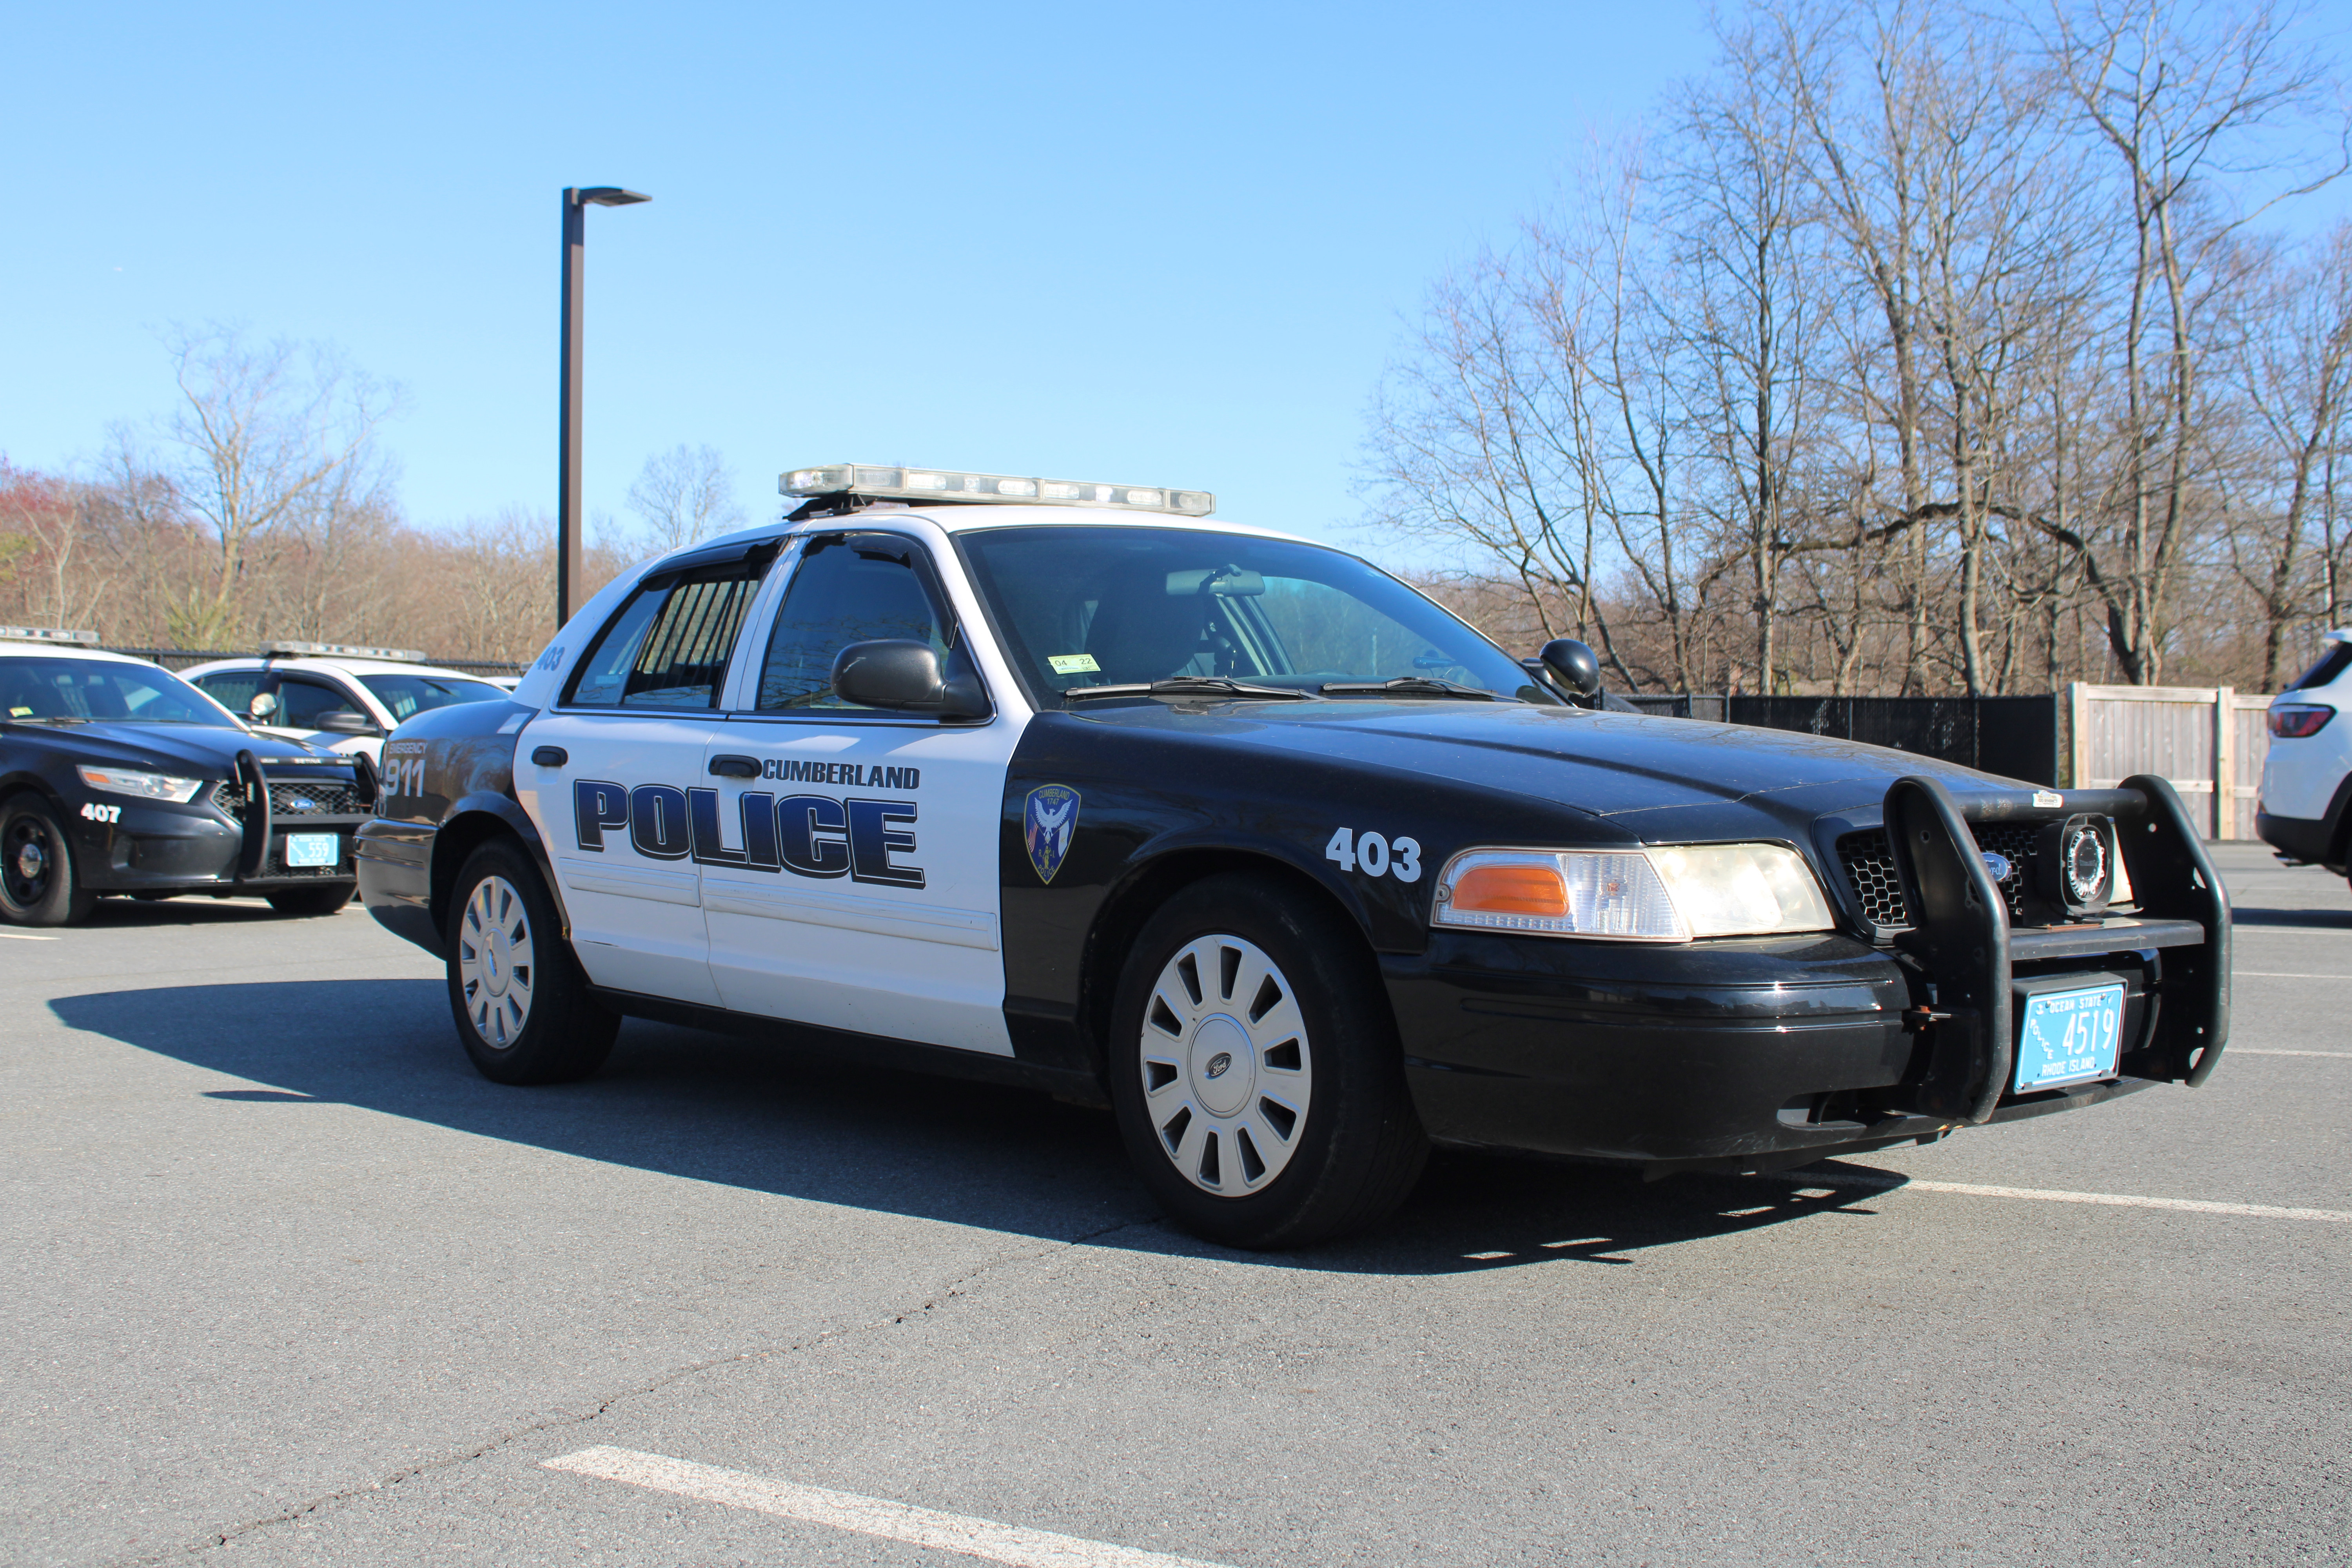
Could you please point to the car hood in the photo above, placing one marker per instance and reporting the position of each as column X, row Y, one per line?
column 205, row 749
column 1653, row 777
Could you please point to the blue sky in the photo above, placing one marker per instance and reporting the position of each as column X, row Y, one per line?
column 1141, row 243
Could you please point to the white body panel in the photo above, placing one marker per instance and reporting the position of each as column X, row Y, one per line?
column 636, row 919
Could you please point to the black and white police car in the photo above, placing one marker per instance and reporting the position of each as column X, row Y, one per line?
column 1061, row 784
column 340, row 696
column 119, row 778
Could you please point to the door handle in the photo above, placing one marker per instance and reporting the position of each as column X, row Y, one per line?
column 734, row 767
column 551, row 757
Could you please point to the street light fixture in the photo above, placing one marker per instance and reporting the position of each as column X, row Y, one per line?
column 577, row 200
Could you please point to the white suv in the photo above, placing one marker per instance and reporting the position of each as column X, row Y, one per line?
column 345, row 697
column 2305, row 812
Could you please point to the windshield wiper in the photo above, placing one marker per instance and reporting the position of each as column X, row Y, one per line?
column 1189, row 685
column 1408, row 685
column 50, row 718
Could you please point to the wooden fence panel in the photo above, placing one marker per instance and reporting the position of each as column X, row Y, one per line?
column 2209, row 741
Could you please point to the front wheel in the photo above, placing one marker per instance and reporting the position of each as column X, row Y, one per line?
column 37, row 885
column 520, row 1000
column 1255, row 1069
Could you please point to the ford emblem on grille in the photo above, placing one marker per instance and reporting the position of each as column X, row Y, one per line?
column 1999, row 866
column 296, row 803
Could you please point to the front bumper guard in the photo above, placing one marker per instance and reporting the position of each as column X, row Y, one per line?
column 1961, row 944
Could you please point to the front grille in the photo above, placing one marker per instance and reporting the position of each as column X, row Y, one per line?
column 291, row 799
column 1870, row 869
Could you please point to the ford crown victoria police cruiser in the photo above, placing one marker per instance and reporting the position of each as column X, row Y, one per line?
column 1060, row 785
column 119, row 778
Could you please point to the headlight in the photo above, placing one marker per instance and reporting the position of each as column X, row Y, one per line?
column 129, row 781
column 1676, row 893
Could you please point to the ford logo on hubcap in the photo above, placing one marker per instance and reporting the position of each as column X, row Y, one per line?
column 1220, row 1063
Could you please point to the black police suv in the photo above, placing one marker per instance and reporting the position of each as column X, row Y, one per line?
column 1293, row 868
column 119, row 778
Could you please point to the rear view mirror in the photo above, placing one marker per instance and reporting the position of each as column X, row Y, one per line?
column 905, row 676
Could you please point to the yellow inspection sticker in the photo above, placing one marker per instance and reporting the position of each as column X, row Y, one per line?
column 1073, row 664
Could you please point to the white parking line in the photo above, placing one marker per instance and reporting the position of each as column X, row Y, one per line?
column 25, row 936
column 2051, row 1196
column 982, row 1538
column 2260, row 1051
column 2274, row 975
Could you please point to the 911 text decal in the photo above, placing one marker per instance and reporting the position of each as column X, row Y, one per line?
column 1375, row 854
column 807, row 834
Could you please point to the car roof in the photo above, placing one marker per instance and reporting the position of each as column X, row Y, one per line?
column 347, row 665
column 69, row 650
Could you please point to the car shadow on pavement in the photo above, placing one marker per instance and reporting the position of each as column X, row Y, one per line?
column 766, row 1117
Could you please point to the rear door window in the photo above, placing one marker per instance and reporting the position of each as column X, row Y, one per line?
column 668, row 646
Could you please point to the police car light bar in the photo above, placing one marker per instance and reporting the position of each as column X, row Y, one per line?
column 48, row 634
column 946, row 485
column 339, row 650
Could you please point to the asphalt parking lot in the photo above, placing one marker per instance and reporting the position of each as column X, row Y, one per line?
column 287, row 1282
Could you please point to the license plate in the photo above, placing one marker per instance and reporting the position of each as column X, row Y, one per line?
column 2069, row 1037
column 314, row 848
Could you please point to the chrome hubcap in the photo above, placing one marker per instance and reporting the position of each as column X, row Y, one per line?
column 495, row 962
column 1227, row 1070
column 31, row 862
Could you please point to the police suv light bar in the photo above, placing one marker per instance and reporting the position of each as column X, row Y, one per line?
column 947, row 485
column 339, row 650
column 48, row 634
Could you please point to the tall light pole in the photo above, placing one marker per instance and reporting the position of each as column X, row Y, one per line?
column 577, row 200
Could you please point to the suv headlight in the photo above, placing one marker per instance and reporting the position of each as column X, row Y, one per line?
column 1670, row 893
column 129, row 781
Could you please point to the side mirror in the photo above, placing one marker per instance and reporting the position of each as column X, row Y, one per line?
column 263, row 705
column 901, row 674
column 344, row 722
column 1575, row 668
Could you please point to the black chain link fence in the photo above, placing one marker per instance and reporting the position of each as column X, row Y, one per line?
column 2016, row 737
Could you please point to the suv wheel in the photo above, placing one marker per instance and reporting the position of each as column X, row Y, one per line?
column 1255, row 1069
column 522, row 1003
column 37, row 885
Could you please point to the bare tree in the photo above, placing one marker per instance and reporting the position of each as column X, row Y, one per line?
column 684, row 496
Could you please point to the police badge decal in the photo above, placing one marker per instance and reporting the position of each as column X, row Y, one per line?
column 1047, row 822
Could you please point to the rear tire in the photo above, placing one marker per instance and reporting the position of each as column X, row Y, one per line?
column 38, row 884
column 327, row 900
column 519, row 998
column 1255, row 1069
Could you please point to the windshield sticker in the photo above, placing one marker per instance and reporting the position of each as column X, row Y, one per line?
column 1047, row 822
column 1073, row 664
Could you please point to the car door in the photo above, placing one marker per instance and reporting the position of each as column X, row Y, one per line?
column 606, row 775
column 849, row 855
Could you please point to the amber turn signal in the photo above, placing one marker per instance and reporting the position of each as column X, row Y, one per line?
column 1511, row 890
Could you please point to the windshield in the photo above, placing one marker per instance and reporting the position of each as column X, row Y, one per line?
column 90, row 689
column 405, row 696
column 1100, row 606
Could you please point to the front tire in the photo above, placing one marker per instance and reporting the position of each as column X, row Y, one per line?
column 327, row 900
column 1256, row 1070
column 38, row 884
column 520, row 1001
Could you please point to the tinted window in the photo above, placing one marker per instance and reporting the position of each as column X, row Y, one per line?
column 232, row 688
column 2333, row 663
column 405, row 696
column 89, row 689
column 668, row 646
column 1098, row 607
column 849, row 588
column 303, row 704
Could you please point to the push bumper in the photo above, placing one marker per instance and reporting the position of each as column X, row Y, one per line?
column 1764, row 1054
